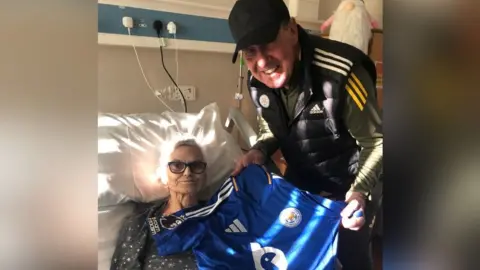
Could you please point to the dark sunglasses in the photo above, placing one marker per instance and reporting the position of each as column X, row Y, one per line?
column 196, row 167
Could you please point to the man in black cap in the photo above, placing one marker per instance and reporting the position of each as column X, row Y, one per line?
column 316, row 101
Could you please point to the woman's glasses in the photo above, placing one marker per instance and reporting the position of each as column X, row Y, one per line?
column 196, row 167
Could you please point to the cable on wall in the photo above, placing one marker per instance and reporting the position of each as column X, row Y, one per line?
column 144, row 76
column 158, row 25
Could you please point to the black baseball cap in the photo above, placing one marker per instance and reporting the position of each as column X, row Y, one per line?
column 256, row 22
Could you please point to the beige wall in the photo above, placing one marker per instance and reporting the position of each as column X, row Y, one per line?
column 326, row 8
column 375, row 7
column 122, row 89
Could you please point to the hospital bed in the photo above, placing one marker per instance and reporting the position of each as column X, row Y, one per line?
column 123, row 139
column 127, row 135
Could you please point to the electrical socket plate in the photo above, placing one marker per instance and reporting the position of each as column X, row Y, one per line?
column 187, row 90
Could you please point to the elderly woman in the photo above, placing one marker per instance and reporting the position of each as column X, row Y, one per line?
column 185, row 177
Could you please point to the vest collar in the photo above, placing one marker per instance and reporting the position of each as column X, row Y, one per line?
column 305, row 76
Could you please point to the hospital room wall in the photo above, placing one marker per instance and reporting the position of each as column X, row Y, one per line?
column 122, row 89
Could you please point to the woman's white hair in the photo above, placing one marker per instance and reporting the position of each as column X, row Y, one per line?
column 167, row 151
column 187, row 142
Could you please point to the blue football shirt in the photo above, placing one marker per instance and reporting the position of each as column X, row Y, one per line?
column 256, row 220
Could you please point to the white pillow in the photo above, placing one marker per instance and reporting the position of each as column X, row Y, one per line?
column 129, row 151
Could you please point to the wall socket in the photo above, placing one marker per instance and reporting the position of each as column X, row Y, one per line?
column 187, row 90
column 171, row 93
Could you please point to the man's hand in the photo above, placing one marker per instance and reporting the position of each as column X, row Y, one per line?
column 252, row 156
column 356, row 202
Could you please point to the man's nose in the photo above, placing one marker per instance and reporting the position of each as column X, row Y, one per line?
column 262, row 62
column 262, row 59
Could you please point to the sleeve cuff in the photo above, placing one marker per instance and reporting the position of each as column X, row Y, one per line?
column 261, row 148
column 360, row 190
column 267, row 147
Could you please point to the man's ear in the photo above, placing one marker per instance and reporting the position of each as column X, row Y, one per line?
column 293, row 29
column 292, row 26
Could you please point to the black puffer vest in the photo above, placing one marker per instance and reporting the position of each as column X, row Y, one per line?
column 319, row 150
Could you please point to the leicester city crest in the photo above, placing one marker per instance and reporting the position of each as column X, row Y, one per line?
column 264, row 101
column 290, row 217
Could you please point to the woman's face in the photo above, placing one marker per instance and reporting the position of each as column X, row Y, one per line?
column 186, row 170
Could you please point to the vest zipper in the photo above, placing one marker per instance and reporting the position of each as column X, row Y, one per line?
column 286, row 106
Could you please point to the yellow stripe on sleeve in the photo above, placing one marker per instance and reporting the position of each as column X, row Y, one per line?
column 359, row 94
column 354, row 97
column 359, row 84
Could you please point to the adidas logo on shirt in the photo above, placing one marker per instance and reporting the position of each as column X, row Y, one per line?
column 236, row 227
column 316, row 110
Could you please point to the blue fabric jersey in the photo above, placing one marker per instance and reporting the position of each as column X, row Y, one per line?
column 256, row 221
